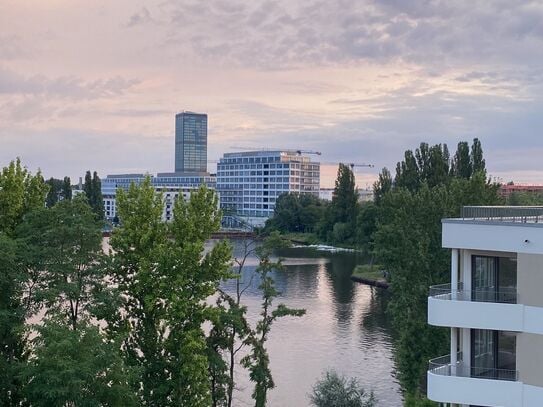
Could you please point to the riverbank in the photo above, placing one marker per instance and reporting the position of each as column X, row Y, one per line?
column 370, row 275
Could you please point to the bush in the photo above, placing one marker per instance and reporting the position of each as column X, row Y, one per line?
column 334, row 390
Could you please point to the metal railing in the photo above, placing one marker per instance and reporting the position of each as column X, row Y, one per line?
column 501, row 296
column 519, row 214
column 442, row 366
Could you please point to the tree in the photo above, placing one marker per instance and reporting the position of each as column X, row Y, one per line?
column 20, row 193
column 461, row 166
column 163, row 277
column 408, row 243
column 76, row 368
column 342, row 210
column 382, row 185
column 63, row 246
column 477, row 161
column 338, row 391
column 67, row 188
column 296, row 213
column 93, row 189
column 257, row 361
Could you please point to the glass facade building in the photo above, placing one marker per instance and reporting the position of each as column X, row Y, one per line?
column 190, row 142
column 250, row 182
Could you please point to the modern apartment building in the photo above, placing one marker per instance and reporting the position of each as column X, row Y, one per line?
column 250, row 182
column 190, row 142
column 171, row 185
column 494, row 309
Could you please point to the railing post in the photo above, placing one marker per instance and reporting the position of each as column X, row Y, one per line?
column 454, row 350
column 454, row 273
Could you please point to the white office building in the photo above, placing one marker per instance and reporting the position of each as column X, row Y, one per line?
column 250, row 182
column 493, row 307
column 171, row 185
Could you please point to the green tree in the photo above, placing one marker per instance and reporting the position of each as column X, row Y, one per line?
column 20, row 193
column 75, row 368
column 343, row 209
column 477, row 161
column 163, row 277
column 338, row 391
column 296, row 213
column 257, row 361
column 408, row 243
column 63, row 246
column 382, row 185
column 93, row 189
column 67, row 188
column 461, row 166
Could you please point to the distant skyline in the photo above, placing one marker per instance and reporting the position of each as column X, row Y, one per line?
column 96, row 85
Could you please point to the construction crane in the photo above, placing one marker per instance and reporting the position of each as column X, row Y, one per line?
column 300, row 152
column 351, row 165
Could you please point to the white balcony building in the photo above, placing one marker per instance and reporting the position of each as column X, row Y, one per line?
column 494, row 309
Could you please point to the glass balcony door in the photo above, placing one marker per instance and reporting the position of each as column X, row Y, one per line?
column 494, row 279
column 484, row 276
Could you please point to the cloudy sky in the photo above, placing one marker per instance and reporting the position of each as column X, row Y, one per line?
column 96, row 85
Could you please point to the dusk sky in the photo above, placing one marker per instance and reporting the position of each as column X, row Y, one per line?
column 96, row 84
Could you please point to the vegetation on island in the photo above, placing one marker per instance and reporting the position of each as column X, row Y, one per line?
column 134, row 326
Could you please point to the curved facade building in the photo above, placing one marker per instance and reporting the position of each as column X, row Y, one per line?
column 494, row 309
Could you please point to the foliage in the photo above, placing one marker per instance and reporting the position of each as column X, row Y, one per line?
column 408, row 243
column 524, row 199
column 20, row 193
column 257, row 361
column 93, row 189
column 62, row 249
column 163, row 276
column 296, row 213
column 59, row 189
column 75, row 368
column 338, row 224
column 338, row 391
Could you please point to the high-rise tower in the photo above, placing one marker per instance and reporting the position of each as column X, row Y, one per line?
column 190, row 142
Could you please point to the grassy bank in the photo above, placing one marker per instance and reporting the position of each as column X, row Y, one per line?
column 369, row 272
column 301, row 238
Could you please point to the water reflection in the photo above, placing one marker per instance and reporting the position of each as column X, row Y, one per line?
column 345, row 328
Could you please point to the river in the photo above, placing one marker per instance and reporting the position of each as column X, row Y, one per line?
column 345, row 328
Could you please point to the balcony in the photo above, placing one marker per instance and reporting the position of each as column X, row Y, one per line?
column 459, row 383
column 481, row 309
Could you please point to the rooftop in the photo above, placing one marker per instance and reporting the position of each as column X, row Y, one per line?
column 532, row 215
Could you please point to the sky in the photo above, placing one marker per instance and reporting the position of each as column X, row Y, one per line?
column 96, row 85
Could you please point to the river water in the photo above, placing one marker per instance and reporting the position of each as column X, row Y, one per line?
column 345, row 328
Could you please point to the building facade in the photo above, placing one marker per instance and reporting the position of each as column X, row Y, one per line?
column 493, row 307
column 190, row 142
column 506, row 190
column 250, row 182
column 171, row 185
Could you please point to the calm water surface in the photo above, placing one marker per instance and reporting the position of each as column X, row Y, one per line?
column 345, row 328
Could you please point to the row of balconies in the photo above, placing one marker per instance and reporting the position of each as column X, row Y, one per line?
column 457, row 382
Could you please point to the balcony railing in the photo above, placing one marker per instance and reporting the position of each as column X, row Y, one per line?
column 518, row 214
column 442, row 366
column 501, row 296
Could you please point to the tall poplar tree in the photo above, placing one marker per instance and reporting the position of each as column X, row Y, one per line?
column 162, row 277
